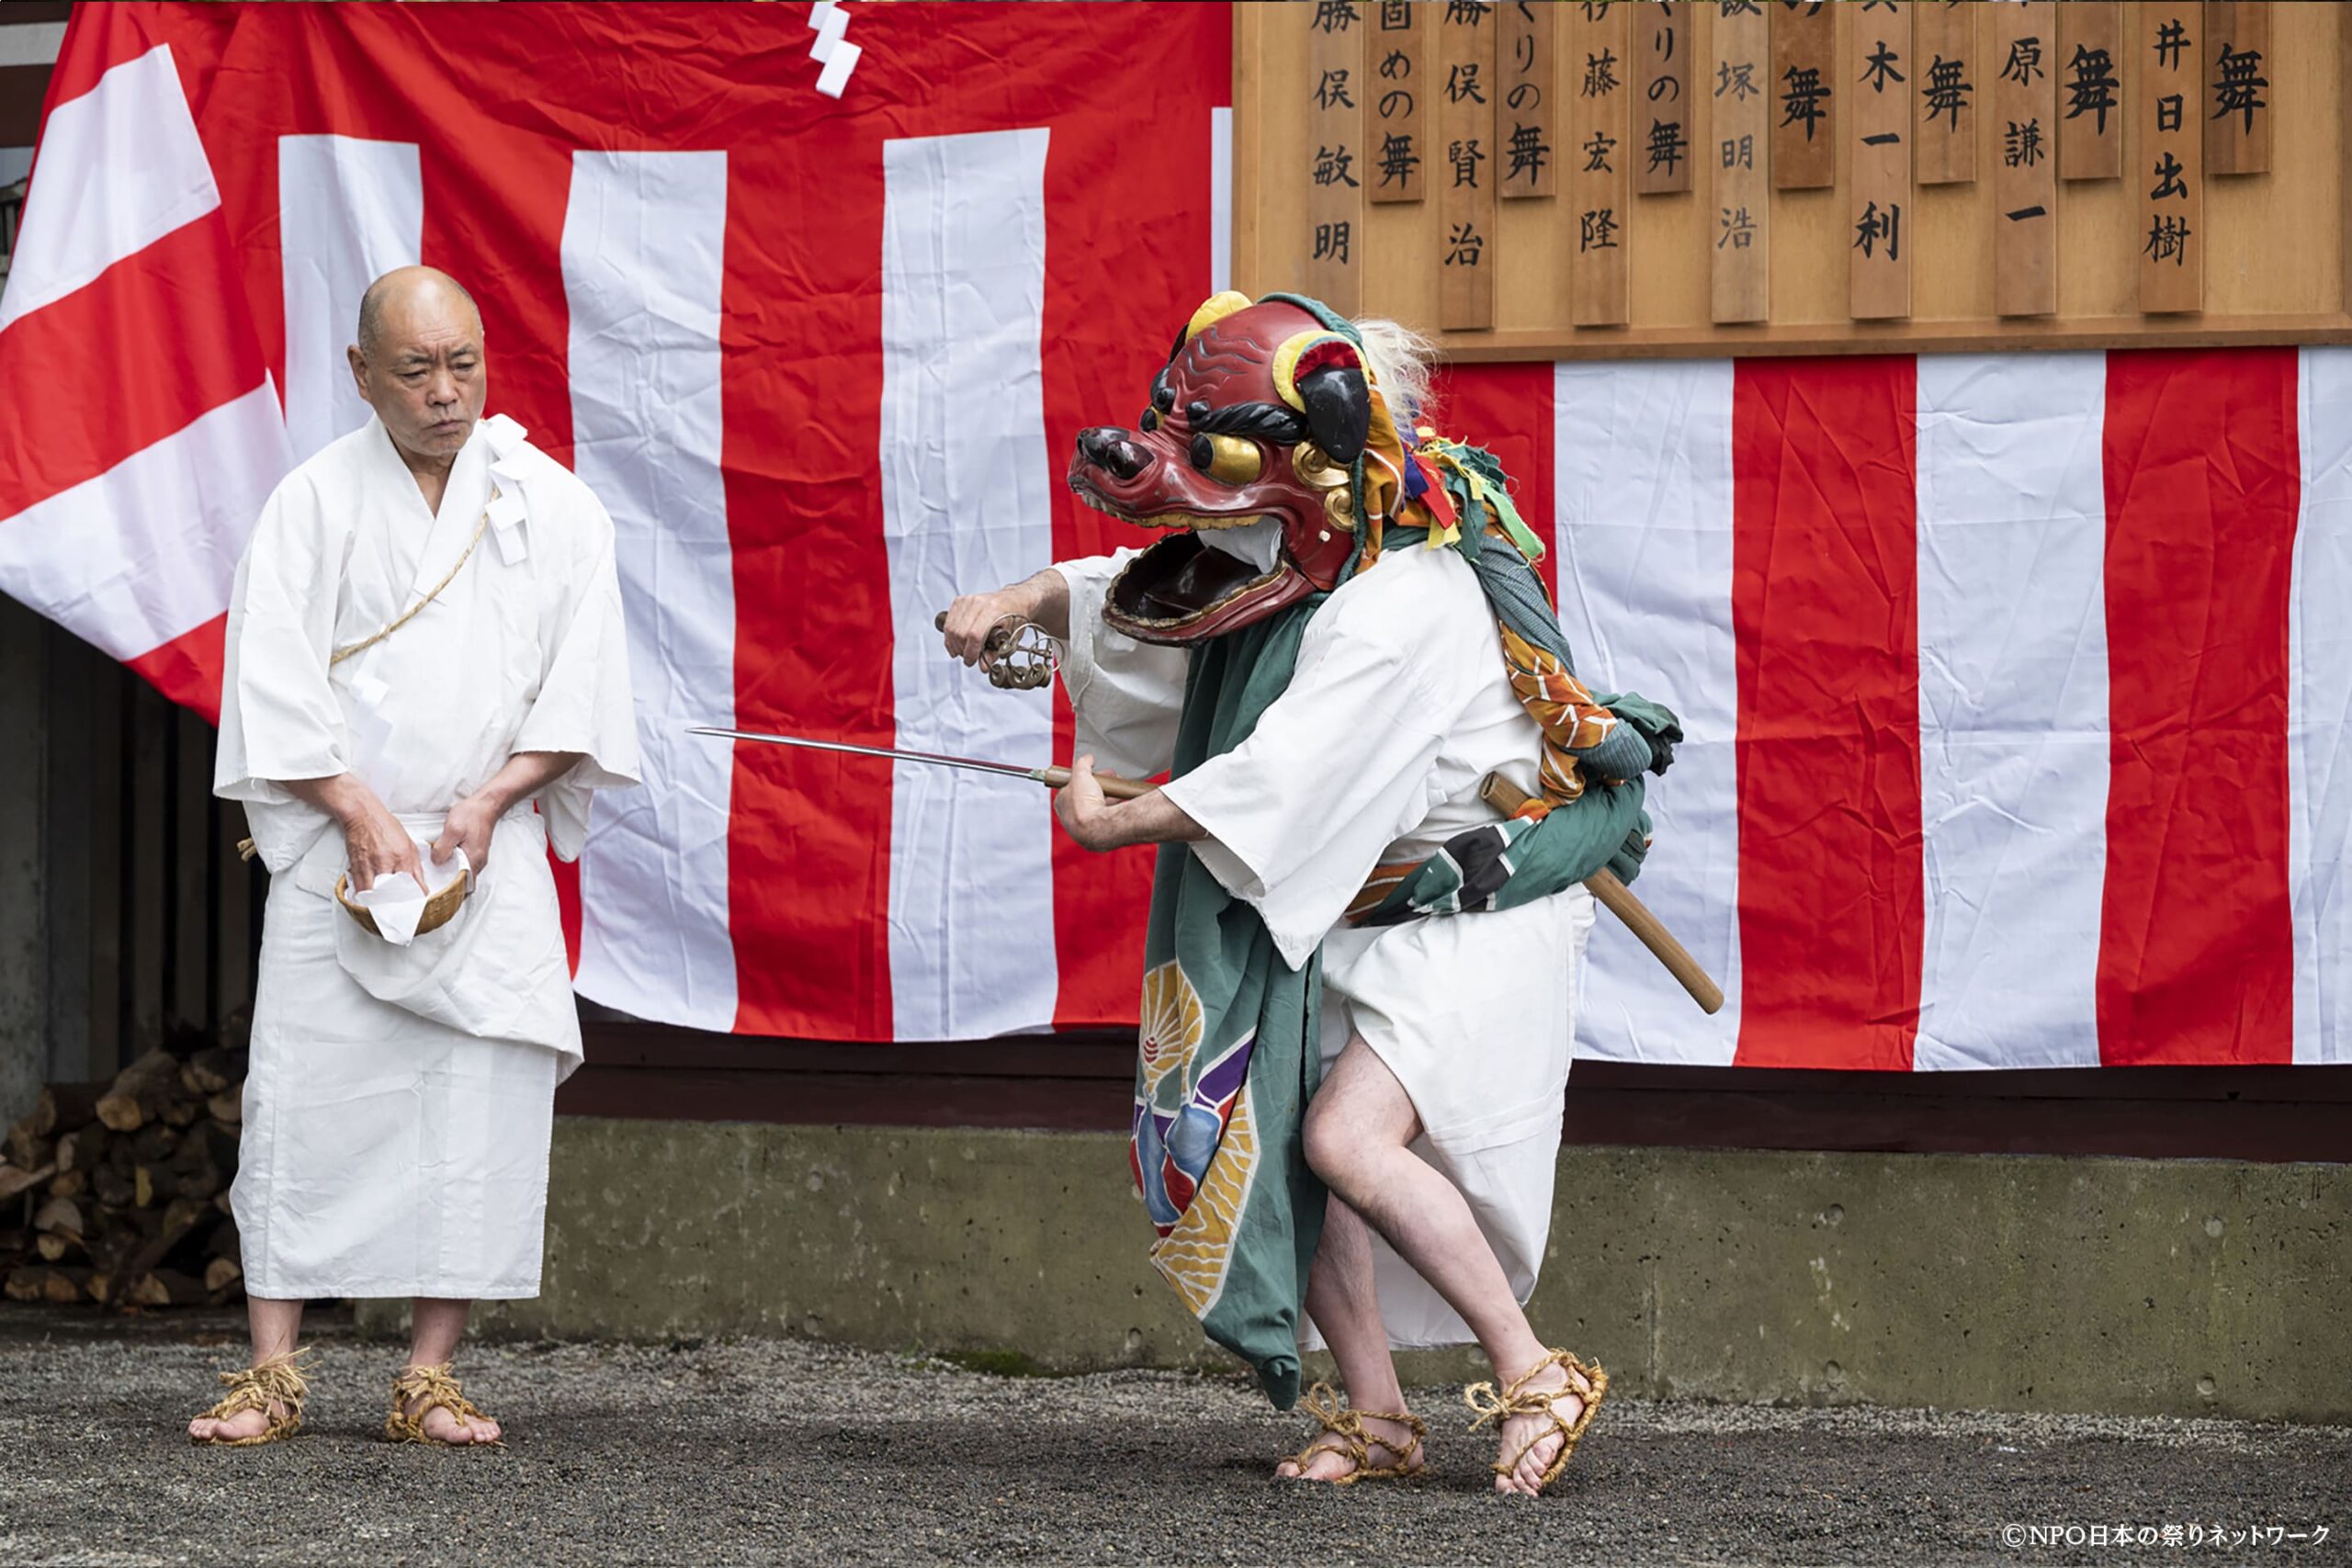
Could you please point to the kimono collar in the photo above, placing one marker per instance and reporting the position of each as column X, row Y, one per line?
column 490, row 459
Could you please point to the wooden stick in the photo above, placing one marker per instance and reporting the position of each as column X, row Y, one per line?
column 1507, row 797
column 1114, row 789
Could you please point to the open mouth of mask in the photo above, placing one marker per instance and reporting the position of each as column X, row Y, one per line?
column 1257, row 543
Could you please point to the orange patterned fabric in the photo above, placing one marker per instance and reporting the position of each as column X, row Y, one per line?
column 1564, row 708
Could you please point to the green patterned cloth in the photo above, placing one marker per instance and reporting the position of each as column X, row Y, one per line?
column 1230, row 1055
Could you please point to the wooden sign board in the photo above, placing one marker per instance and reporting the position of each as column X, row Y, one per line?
column 1945, row 91
column 1527, row 116
column 1739, row 259
column 2025, row 177
column 2091, row 109
column 2170, row 172
column 1598, row 123
column 1879, row 202
column 2077, row 128
column 1663, row 110
column 1395, row 75
column 1465, row 170
column 2237, row 84
column 1804, row 90
column 1334, row 210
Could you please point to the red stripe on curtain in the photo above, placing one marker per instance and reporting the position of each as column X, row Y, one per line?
column 2203, row 481
column 1825, row 605
column 1126, row 262
column 801, row 334
column 188, row 669
column 1506, row 409
column 158, row 307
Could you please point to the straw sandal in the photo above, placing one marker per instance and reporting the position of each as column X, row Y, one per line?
column 1588, row 1383
column 1347, row 1425
column 436, row 1388
column 276, row 1382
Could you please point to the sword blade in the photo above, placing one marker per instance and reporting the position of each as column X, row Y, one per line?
column 936, row 759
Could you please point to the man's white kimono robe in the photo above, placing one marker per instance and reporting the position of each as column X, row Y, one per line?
column 397, row 1108
column 1399, row 706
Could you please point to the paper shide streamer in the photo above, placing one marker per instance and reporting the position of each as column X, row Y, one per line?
column 832, row 49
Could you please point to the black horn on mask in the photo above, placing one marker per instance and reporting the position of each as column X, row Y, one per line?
column 1339, row 410
column 1321, row 375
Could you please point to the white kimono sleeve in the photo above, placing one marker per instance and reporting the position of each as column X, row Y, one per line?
column 1125, row 695
column 583, row 702
column 1339, row 767
column 280, row 719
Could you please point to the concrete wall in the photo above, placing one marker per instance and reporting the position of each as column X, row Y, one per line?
column 1975, row 1281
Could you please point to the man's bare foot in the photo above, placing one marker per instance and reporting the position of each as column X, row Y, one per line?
column 1537, row 1430
column 1388, row 1444
column 425, row 1394
column 263, row 1403
column 244, row 1424
column 443, row 1427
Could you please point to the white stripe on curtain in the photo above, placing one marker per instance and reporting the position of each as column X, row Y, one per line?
column 121, row 167
column 2319, row 714
column 146, row 551
column 1643, row 485
column 348, row 212
column 644, row 247
column 2013, row 710
column 966, row 504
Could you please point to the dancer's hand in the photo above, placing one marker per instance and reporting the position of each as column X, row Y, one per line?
column 1101, row 824
column 1084, row 814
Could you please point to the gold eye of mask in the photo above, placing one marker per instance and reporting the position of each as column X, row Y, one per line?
column 1228, row 459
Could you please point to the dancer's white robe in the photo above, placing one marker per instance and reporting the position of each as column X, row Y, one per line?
column 1397, row 710
column 400, row 1099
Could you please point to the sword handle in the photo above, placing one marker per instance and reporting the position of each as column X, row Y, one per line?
column 1114, row 787
column 1507, row 797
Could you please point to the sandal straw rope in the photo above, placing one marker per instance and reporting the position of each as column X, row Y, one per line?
column 438, row 1390
column 1588, row 1383
column 1322, row 1402
column 275, row 1382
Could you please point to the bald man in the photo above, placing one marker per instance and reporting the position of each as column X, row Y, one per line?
column 427, row 676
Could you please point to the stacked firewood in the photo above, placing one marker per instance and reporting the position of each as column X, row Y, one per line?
column 119, row 1193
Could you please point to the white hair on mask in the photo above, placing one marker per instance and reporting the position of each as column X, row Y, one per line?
column 1399, row 360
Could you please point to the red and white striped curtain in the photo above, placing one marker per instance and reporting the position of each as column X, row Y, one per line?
column 2017, row 688
column 2013, row 684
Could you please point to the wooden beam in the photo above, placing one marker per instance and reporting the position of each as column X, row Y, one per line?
column 1250, row 268
column 2020, row 336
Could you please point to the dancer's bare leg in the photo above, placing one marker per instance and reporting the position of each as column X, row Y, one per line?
column 1345, row 1304
column 1359, row 1133
column 272, row 1327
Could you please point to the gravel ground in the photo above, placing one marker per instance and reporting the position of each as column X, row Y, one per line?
column 787, row 1451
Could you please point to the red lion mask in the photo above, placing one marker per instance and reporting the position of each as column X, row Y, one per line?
column 1256, row 427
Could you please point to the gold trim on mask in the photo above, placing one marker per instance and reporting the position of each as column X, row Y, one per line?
column 1214, row 308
